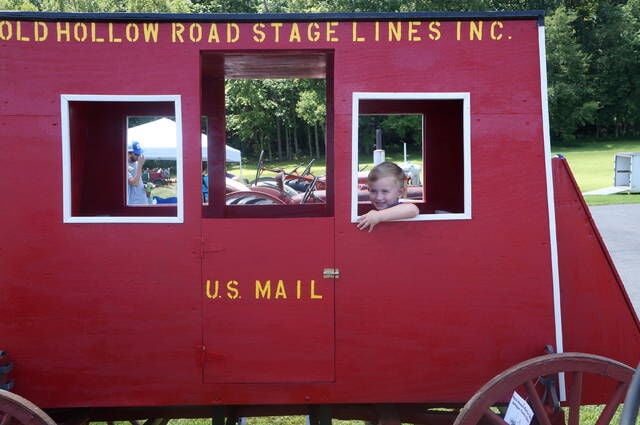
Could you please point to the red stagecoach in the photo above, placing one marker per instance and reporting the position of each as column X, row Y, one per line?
column 286, row 308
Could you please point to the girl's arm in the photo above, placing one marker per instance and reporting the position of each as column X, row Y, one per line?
column 397, row 212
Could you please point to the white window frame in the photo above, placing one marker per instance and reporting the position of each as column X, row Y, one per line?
column 466, row 120
column 66, row 158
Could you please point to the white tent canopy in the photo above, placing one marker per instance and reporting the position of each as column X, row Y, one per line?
column 158, row 140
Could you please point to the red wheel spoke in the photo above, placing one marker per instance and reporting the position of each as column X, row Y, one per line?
column 538, row 407
column 583, row 371
column 6, row 419
column 575, row 398
column 613, row 403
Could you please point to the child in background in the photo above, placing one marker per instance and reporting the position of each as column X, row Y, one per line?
column 386, row 186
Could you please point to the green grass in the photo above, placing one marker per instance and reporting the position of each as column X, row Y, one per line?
column 588, row 416
column 592, row 166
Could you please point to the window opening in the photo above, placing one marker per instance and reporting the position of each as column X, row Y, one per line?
column 98, row 135
column 427, row 135
column 271, row 110
column 156, row 137
column 234, row 173
column 394, row 137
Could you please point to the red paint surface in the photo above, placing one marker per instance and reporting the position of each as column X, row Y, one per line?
column 118, row 314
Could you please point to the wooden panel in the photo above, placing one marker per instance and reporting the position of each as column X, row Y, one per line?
column 268, row 312
column 590, row 284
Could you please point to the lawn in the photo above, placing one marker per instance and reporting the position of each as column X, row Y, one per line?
column 592, row 166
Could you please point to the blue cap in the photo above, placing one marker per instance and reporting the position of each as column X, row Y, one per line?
column 135, row 148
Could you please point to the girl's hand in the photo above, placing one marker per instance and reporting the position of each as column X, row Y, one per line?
column 369, row 220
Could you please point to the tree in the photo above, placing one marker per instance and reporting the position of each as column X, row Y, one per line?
column 571, row 100
column 616, row 68
column 174, row 6
column 311, row 108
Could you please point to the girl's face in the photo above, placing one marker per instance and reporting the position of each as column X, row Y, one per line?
column 384, row 192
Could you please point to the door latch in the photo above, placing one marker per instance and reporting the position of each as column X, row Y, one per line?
column 331, row 273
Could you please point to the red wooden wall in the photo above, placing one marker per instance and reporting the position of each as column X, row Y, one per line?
column 118, row 314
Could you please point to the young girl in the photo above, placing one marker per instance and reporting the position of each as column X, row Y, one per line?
column 386, row 186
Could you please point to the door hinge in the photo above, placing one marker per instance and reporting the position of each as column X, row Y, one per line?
column 331, row 273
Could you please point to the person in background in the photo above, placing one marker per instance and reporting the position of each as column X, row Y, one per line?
column 205, row 184
column 136, row 194
column 386, row 186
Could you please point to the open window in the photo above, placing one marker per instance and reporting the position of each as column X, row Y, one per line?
column 97, row 133
column 428, row 136
column 265, row 131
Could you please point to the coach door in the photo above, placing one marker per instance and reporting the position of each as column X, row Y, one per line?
column 268, row 244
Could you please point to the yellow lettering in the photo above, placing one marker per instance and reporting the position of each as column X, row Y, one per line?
column 313, row 295
column 41, row 31
column 434, row 31
column 475, row 30
column 213, row 34
column 280, row 290
column 413, row 31
column 376, row 27
column 496, row 26
column 313, row 31
column 94, row 37
column 63, row 31
column 6, row 30
column 258, row 35
column 294, row 35
column 394, row 31
column 80, row 32
column 458, row 29
column 331, row 31
column 195, row 32
column 112, row 37
column 150, row 31
column 233, row 33
column 276, row 26
column 19, row 35
column 176, row 32
column 354, row 31
column 208, row 289
column 263, row 291
column 132, row 33
column 232, row 290
column 298, row 289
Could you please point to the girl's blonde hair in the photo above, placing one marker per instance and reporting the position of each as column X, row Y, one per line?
column 386, row 169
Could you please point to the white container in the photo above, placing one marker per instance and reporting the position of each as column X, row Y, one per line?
column 626, row 171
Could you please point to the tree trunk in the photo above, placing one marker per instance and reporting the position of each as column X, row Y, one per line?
column 315, row 135
column 296, row 148
column 279, row 139
column 287, row 141
column 309, row 143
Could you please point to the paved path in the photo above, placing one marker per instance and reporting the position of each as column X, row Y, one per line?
column 619, row 226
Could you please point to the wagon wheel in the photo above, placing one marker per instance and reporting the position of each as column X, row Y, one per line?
column 533, row 379
column 15, row 410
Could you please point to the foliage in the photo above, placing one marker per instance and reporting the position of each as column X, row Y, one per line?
column 593, row 54
column 571, row 103
column 174, row 6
